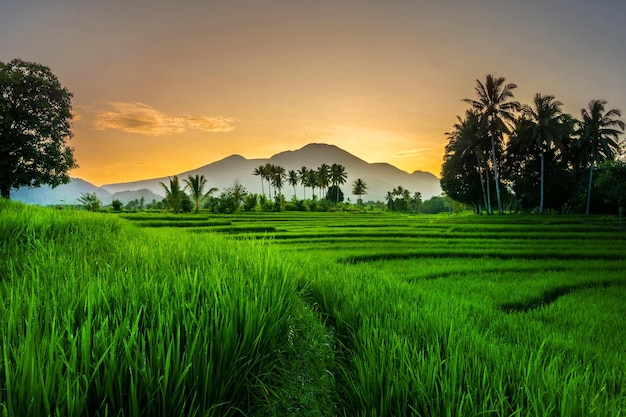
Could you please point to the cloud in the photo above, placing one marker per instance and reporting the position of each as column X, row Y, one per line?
column 414, row 152
column 134, row 117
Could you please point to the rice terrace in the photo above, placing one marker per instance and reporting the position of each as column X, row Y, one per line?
column 310, row 314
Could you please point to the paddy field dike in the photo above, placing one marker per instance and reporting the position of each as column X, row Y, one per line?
column 310, row 314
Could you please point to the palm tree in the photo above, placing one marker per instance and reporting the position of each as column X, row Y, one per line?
column 389, row 198
column 493, row 103
column 293, row 179
column 303, row 174
column 312, row 180
column 359, row 187
column 470, row 134
column 260, row 171
column 278, row 175
column 173, row 194
column 267, row 173
column 323, row 176
column 338, row 176
column 196, row 186
column 543, row 128
column 599, row 132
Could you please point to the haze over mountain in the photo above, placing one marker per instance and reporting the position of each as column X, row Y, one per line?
column 380, row 178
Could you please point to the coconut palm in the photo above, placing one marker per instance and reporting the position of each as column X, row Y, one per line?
column 311, row 180
column 293, row 179
column 196, row 186
column 599, row 132
column 278, row 175
column 260, row 171
column 338, row 176
column 543, row 128
column 173, row 194
column 359, row 187
column 323, row 177
column 493, row 103
column 303, row 175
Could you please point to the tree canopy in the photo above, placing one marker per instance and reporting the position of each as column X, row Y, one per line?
column 35, row 125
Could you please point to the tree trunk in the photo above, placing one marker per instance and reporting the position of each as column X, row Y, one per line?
column 5, row 191
column 482, row 180
column 489, row 211
column 589, row 188
column 496, row 173
column 542, row 187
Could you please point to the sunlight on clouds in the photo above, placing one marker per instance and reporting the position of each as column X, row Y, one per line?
column 411, row 153
column 134, row 117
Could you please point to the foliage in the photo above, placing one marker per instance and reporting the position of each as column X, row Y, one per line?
column 599, row 132
column 496, row 109
column 116, row 204
column 90, row 201
column 359, row 188
column 173, row 194
column 334, row 194
column 196, row 185
column 35, row 125
column 611, row 183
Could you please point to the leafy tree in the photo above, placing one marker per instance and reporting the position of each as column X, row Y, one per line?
column 334, row 194
column 90, row 201
column 35, row 125
column 611, row 183
column 173, row 194
column 359, row 187
column 599, row 132
column 338, row 176
column 250, row 202
column 116, row 204
column 196, row 186
column 494, row 105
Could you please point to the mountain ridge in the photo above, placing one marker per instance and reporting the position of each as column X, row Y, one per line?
column 380, row 177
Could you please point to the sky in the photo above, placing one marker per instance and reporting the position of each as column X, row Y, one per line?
column 162, row 87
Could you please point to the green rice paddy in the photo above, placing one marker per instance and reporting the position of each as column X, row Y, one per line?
column 310, row 314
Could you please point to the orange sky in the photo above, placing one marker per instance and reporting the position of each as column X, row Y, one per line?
column 162, row 87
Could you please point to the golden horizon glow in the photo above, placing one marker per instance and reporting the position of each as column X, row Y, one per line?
column 160, row 90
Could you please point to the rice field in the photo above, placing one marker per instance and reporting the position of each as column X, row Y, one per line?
column 310, row 314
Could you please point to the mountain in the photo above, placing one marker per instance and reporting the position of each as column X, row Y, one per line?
column 380, row 177
column 63, row 194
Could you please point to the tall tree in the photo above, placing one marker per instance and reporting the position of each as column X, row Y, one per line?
column 359, row 187
column 493, row 103
column 293, row 179
column 278, row 175
column 173, row 194
column 35, row 125
column 338, row 176
column 599, row 132
column 543, row 129
column 323, row 177
column 303, row 175
column 260, row 172
column 196, row 186
column 464, row 173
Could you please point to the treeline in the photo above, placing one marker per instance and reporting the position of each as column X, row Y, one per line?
column 505, row 155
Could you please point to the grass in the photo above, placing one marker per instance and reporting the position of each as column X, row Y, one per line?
column 314, row 314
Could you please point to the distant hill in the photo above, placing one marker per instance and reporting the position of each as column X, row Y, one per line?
column 63, row 194
column 380, row 177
